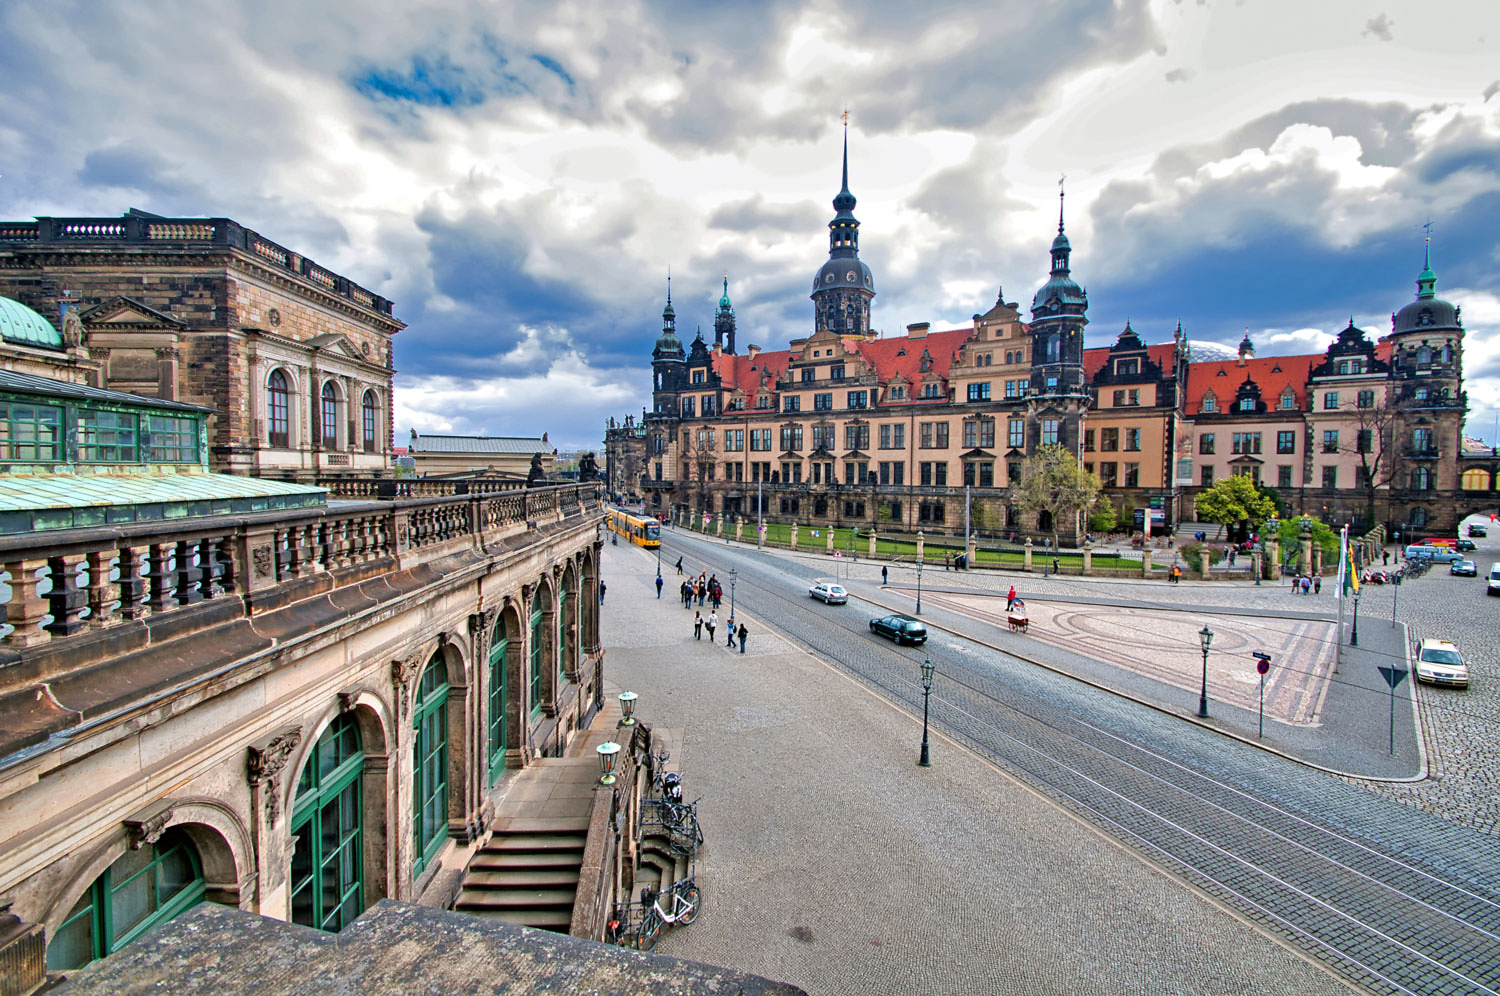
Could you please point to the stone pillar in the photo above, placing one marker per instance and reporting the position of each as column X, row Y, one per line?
column 872, row 544
column 739, row 528
column 1088, row 558
column 1305, row 561
column 1206, row 562
column 1317, row 560
column 829, row 533
column 969, row 557
column 1145, row 562
column 794, row 536
column 921, row 546
column 1271, row 566
column 719, row 526
column 1028, row 554
column 26, row 609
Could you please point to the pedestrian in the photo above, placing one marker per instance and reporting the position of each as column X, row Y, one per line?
column 730, row 641
column 697, row 625
column 711, row 624
column 702, row 591
column 1010, row 598
column 947, row 561
column 1232, row 554
column 658, row 586
column 679, row 566
column 1385, row 558
column 602, row 586
column 1307, row 585
column 1055, row 566
column 885, row 575
column 1318, row 585
column 743, row 634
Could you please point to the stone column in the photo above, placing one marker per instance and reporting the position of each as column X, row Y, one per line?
column 829, row 533
column 921, row 546
column 719, row 526
column 1088, row 558
column 1145, row 563
column 794, row 536
column 1317, row 560
column 739, row 528
column 872, row 544
column 1305, row 561
column 1028, row 553
column 1207, row 562
column 1271, row 567
column 26, row 609
column 969, row 557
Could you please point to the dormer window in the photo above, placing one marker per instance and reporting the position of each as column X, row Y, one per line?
column 1210, row 403
column 697, row 376
column 1127, row 368
column 1247, row 404
column 1288, row 400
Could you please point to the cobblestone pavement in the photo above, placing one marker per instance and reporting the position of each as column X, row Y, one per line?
column 835, row 863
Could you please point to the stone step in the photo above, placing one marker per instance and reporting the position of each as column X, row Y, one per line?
column 501, row 860
column 521, row 877
column 518, row 899
column 558, row 920
column 536, row 842
column 539, row 824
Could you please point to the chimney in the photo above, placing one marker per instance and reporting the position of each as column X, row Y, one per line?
column 752, row 351
column 918, row 330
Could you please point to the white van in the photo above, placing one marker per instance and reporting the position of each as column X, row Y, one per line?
column 1494, row 582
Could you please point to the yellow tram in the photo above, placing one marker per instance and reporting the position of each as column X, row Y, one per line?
column 640, row 531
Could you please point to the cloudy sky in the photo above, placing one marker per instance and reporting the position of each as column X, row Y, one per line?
column 520, row 176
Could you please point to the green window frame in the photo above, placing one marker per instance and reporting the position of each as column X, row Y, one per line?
column 430, row 764
column 499, row 651
column 536, row 659
column 172, row 440
column 30, row 433
column 108, row 437
column 564, row 620
column 327, row 877
column 140, row 890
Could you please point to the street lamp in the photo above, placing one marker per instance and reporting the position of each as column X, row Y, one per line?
column 919, row 587
column 733, row 576
column 1354, row 630
column 1395, row 595
column 627, row 708
column 1207, row 636
column 927, row 670
column 607, row 751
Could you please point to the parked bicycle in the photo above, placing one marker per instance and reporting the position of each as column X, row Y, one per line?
column 683, row 901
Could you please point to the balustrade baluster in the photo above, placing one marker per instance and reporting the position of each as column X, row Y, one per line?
column 344, row 530
column 26, row 608
column 189, row 573
column 66, row 601
column 101, row 592
column 132, row 585
column 159, row 576
column 213, row 565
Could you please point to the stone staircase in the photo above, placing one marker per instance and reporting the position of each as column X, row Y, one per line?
column 665, row 856
column 527, row 872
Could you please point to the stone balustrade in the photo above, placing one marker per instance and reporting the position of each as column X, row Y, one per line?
column 66, row 584
column 416, row 487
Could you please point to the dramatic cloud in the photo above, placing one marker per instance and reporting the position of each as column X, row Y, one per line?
column 520, row 177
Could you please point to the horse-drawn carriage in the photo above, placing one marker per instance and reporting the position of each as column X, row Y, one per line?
column 1016, row 616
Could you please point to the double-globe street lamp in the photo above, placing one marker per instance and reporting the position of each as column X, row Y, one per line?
column 919, row 587
column 733, row 577
column 927, row 670
column 1206, row 635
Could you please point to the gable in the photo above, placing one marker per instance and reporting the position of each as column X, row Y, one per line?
column 130, row 313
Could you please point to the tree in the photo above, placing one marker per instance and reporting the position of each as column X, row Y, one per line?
column 1053, row 481
column 1373, row 445
column 1104, row 519
column 1235, row 499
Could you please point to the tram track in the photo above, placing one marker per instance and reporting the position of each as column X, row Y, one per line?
column 1376, row 918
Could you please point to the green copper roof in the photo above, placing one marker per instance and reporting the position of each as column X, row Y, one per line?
column 20, row 325
column 1427, row 280
column 724, row 301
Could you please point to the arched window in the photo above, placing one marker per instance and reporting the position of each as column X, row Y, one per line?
column 536, row 656
column 1054, row 348
column 370, row 414
column 1476, row 479
column 1424, row 354
column 140, row 890
column 327, row 877
column 278, row 410
column 565, row 613
column 499, row 648
column 1421, row 479
column 328, row 420
column 1210, row 403
column 430, row 764
column 1418, row 516
column 1288, row 400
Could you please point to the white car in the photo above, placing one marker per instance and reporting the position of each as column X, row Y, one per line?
column 829, row 594
column 1440, row 663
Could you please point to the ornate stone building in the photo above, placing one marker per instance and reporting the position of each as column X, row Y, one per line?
column 294, row 359
column 849, row 427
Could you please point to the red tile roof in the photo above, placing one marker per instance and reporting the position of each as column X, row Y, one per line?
column 1272, row 374
column 1094, row 359
column 883, row 355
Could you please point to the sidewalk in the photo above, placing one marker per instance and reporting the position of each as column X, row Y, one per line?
column 835, row 863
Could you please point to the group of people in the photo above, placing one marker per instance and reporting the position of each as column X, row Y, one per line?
column 700, row 589
column 1306, row 584
column 706, row 588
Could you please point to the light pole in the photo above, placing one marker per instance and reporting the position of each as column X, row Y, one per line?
column 1207, row 636
column 1395, row 595
column 658, row 552
column 760, row 519
column 733, row 577
column 927, row 670
column 919, row 587
column 1354, row 629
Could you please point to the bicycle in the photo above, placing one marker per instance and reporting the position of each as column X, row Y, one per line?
column 686, row 901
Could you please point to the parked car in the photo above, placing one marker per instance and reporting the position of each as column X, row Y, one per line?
column 1479, row 530
column 1465, row 546
column 1436, row 554
column 828, row 593
column 1466, row 568
column 901, row 629
column 1440, row 663
column 1492, row 585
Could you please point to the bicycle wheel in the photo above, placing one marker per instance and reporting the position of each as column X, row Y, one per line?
column 649, row 931
column 692, row 902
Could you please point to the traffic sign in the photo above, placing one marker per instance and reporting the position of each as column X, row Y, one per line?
column 1263, row 665
column 1393, row 676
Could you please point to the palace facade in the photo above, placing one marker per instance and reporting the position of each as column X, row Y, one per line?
column 851, row 427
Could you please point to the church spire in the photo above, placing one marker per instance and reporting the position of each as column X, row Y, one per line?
column 843, row 286
column 1427, row 280
column 724, row 321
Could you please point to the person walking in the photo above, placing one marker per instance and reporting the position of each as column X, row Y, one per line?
column 730, row 641
column 1385, row 558
column 711, row 624
column 602, row 586
column 697, row 625
column 743, row 635
column 1318, row 585
column 679, row 566
column 702, row 590
column 658, row 586
column 885, row 575
column 1010, row 598
column 948, row 561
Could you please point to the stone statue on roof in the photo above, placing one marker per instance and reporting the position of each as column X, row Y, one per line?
column 534, row 476
column 588, row 468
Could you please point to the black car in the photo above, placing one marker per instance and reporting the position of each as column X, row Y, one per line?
column 902, row 629
column 1478, row 530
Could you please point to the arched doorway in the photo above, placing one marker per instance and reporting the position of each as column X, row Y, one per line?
column 328, row 830
column 495, row 721
column 430, row 764
column 141, row 889
column 567, row 604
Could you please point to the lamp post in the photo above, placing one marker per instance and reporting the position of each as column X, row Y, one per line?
column 608, row 751
column 733, row 577
column 1206, row 635
column 927, row 669
column 1395, row 595
column 760, row 519
column 919, row 587
column 1354, row 629
column 627, row 708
